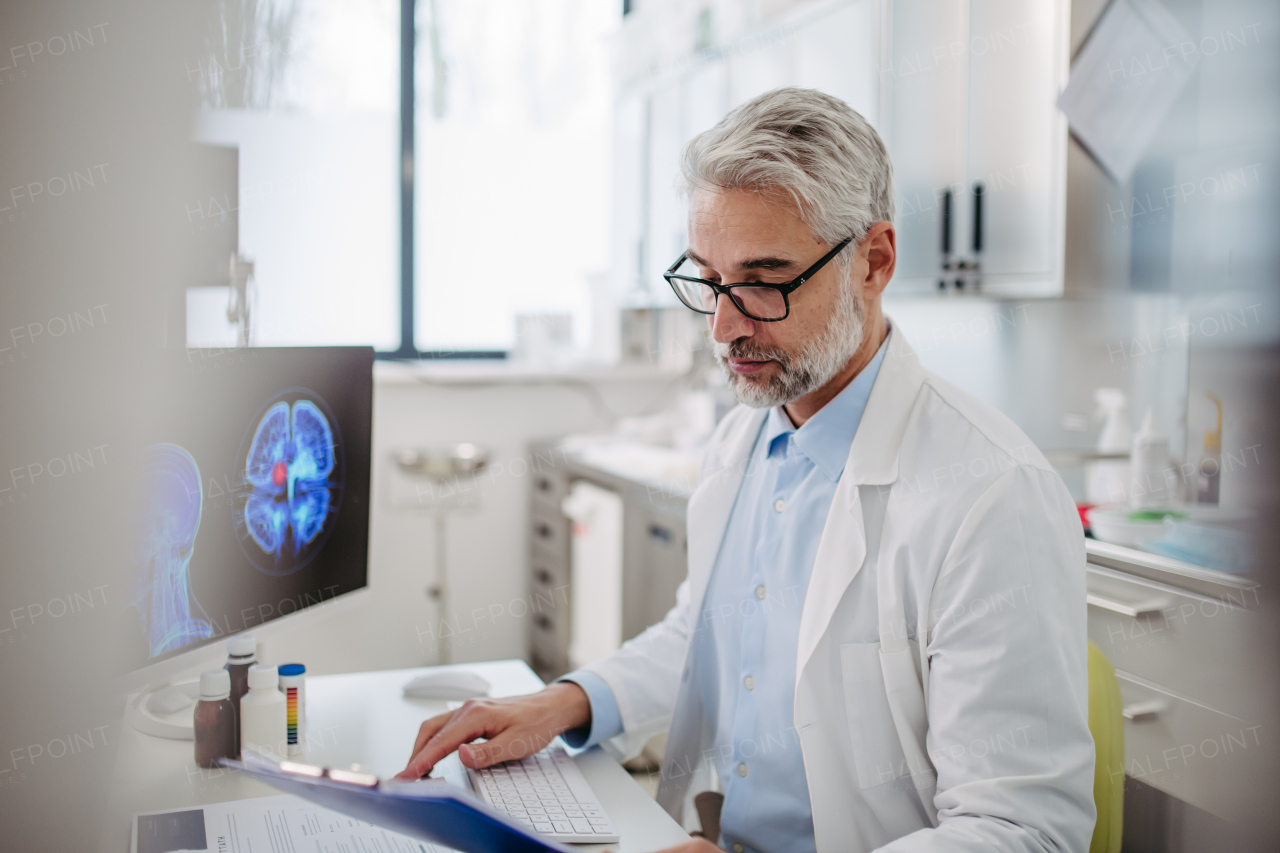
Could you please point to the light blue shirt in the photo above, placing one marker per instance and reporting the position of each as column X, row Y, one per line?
column 744, row 644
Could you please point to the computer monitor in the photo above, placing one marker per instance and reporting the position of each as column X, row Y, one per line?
column 253, row 500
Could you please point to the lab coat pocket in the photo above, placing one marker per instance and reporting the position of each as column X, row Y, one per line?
column 877, row 754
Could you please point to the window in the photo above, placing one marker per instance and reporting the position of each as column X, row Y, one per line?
column 502, row 208
column 511, row 166
column 308, row 93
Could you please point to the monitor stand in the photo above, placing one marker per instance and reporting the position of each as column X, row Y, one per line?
column 165, row 710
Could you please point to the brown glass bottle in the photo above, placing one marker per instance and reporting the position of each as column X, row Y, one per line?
column 241, row 654
column 215, row 720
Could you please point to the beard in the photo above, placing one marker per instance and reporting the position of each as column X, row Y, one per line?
column 801, row 373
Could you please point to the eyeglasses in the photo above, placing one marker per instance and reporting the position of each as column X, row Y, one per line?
column 758, row 300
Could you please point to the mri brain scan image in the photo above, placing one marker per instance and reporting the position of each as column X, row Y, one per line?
column 292, row 468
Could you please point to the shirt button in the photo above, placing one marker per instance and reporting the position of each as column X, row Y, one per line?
column 779, row 505
column 749, row 682
column 738, row 848
column 761, row 592
column 742, row 769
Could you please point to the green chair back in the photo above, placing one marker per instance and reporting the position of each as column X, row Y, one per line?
column 1106, row 724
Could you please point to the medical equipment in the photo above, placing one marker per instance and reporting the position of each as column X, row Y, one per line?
column 259, row 480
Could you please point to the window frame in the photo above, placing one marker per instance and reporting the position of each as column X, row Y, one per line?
column 408, row 347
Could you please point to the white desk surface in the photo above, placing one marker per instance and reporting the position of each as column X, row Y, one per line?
column 360, row 718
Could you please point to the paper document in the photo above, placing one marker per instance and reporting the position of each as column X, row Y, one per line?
column 281, row 824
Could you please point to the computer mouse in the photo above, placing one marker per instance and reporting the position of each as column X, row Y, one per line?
column 447, row 684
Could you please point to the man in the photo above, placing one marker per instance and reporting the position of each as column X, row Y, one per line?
column 881, row 641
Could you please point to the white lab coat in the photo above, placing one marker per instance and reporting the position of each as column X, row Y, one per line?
column 941, row 696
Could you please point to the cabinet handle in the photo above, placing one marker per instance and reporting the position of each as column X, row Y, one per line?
column 978, row 191
column 1137, row 609
column 1142, row 712
column 946, row 226
column 660, row 533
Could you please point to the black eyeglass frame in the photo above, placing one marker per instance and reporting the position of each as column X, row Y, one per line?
column 727, row 289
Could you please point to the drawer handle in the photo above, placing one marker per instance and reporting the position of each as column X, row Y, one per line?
column 1136, row 609
column 1143, row 712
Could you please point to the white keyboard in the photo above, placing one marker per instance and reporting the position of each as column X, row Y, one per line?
column 547, row 792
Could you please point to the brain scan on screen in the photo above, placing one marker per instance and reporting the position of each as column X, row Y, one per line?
column 164, row 541
column 293, row 476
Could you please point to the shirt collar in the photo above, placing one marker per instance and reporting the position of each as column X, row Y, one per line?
column 826, row 437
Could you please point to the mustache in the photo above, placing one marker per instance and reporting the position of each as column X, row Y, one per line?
column 741, row 348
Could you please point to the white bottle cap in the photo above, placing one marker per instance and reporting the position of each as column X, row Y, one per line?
column 215, row 684
column 242, row 646
column 263, row 676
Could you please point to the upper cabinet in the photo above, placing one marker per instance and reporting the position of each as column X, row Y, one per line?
column 963, row 94
column 978, row 144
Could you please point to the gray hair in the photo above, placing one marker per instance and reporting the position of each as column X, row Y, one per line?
column 813, row 146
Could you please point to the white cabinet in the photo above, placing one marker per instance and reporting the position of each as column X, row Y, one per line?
column 963, row 92
column 923, row 121
column 969, row 107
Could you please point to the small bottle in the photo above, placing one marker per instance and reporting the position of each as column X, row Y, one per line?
column 262, row 714
column 293, row 684
column 242, row 653
column 215, row 719
column 1150, row 467
column 1208, row 483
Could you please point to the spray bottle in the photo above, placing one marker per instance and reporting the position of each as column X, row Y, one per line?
column 1107, row 480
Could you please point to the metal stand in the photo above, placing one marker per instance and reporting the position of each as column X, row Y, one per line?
column 451, row 471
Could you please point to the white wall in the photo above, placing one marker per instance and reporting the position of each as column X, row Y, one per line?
column 486, row 546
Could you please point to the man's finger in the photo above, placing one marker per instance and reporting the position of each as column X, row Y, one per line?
column 428, row 730
column 463, row 728
column 511, row 744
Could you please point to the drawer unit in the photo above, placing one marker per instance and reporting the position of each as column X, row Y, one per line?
column 549, row 487
column 547, row 574
column 1174, row 637
column 549, row 636
column 653, row 542
column 1191, row 751
column 1180, row 638
column 549, row 534
column 548, row 580
column 546, row 657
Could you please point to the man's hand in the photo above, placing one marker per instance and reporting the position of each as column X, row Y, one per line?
column 514, row 727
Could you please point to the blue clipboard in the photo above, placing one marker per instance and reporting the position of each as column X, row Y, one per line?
column 434, row 811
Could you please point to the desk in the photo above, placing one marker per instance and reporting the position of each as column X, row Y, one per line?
column 360, row 718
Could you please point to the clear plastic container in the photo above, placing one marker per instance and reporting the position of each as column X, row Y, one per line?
column 262, row 715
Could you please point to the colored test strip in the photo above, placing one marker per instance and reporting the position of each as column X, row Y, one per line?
column 291, row 698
